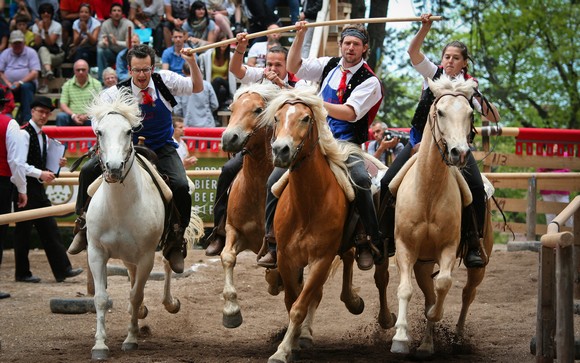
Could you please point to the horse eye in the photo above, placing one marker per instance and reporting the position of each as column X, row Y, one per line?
column 306, row 119
column 129, row 132
column 440, row 113
column 276, row 120
column 99, row 133
column 258, row 110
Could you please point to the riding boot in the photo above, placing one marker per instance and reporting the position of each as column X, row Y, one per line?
column 79, row 242
column 269, row 260
column 175, row 248
column 470, row 236
column 217, row 239
column 368, row 252
column 387, row 221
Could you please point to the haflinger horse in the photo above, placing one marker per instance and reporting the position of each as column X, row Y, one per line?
column 247, row 196
column 125, row 219
column 311, row 214
column 430, row 199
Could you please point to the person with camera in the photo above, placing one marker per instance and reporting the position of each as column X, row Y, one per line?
column 454, row 63
column 386, row 145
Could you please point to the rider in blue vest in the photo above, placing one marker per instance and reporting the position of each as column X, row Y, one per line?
column 155, row 91
column 352, row 95
column 453, row 64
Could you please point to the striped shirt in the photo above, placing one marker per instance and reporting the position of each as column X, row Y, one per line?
column 76, row 97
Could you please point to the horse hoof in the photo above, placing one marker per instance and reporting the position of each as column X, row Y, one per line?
column 129, row 347
column 387, row 324
column 100, row 354
column 232, row 321
column 423, row 353
column 143, row 312
column 174, row 309
column 305, row 343
column 399, row 347
column 358, row 309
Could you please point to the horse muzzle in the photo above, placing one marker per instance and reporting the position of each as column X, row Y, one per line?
column 282, row 154
column 234, row 140
column 113, row 174
column 458, row 156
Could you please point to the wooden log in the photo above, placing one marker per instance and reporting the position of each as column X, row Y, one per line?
column 565, row 304
column 55, row 210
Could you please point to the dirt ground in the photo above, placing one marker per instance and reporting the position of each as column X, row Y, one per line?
column 499, row 327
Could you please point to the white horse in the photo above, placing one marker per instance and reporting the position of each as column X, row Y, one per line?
column 125, row 219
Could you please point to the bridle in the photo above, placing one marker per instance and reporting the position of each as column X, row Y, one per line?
column 434, row 125
column 252, row 133
column 308, row 136
column 130, row 156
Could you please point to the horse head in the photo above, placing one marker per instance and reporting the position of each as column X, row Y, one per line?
column 298, row 116
column 451, row 118
column 114, row 124
column 249, row 103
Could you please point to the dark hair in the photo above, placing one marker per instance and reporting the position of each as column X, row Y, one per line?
column 46, row 7
column 362, row 32
column 185, row 69
column 22, row 18
column 462, row 47
column 113, row 5
column 279, row 49
column 87, row 5
column 141, row 51
column 197, row 5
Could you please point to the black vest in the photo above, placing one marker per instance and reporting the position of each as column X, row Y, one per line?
column 361, row 127
column 158, row 82
column 422, row 110
column 35, row 157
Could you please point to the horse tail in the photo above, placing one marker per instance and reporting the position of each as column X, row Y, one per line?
column 194, row 230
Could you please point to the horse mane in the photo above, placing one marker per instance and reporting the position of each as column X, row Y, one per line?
column 446, row 84
column 266, row 90
column 336, row 151
column 125, row 104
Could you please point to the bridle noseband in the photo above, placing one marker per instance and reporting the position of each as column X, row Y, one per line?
column 130, row 155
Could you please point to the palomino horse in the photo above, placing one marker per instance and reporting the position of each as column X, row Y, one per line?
column 125, row 218
column 247, row 198
column 311, row 214
column 430, row 200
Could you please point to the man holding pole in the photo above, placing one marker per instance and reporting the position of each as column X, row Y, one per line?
column 352, row 96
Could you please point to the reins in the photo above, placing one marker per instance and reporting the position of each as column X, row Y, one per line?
column 131, row 154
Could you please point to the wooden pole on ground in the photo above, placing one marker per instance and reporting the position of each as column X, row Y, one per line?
column 289, row 28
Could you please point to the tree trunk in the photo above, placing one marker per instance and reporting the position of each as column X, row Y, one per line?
column 358, row 9
column 377, row 33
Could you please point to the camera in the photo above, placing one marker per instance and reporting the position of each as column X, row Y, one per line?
column 403, row 136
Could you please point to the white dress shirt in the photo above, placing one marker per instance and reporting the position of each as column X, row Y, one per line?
column 16, row 156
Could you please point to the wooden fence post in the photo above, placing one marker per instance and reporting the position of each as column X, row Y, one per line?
column 564, row 336
column 546, row 309
column 531, row 210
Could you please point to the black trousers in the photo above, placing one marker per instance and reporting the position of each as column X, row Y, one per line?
column 229, row 171
column 168, row 163
column 47, row 231
column 470, row 173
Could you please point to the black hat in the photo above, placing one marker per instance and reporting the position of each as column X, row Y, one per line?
column 42, row 101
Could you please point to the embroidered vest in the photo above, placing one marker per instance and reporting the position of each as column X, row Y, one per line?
column 361, row 126
column 35, row 157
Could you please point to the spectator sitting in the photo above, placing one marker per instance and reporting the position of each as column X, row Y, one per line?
column 69, row 13
column 309, row 13
column 214, row 65
column 122, row 67
column 21, row 9
column 260, row 17
column 33, row 6
column 171, row 58
column 48, row 42
column 112, row 38
column 86, row 31
column 22, row 25
column 258, row 51
column 109, row 77
column 4, row 33
column 201, row 29
column 176, row 13
column 383, row 148
column 197, row 109
column 182, row 150
column 76, row 95
column 220, row 11
column 19, row 67
column 102, row 8
column 148, row 14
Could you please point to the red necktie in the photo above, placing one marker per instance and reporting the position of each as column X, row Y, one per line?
column 342, row 85
column 147, row 99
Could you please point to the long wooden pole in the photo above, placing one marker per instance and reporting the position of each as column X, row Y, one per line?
column 312, row 25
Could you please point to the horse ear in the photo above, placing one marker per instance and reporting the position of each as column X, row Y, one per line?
column 434, row 87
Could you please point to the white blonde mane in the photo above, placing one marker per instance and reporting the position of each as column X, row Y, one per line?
column 335, row 151
column 266, row 90
column 125, row 104
column 458, row 85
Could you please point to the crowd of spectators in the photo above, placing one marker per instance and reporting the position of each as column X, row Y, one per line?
column 38, row 36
